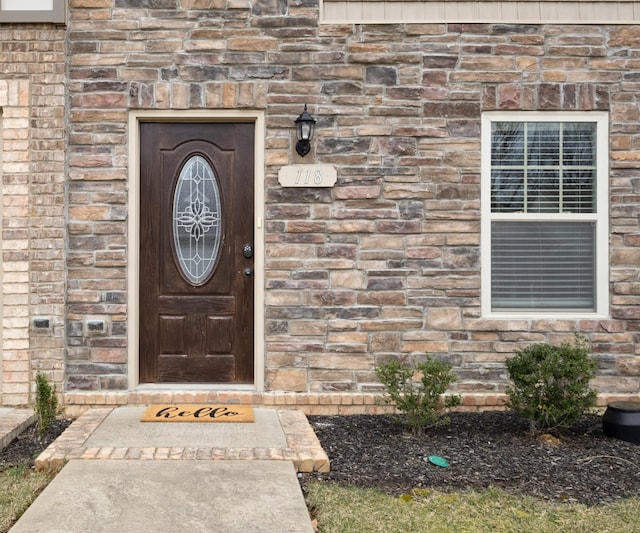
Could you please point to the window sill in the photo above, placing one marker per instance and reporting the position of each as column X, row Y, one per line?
column 555, row 315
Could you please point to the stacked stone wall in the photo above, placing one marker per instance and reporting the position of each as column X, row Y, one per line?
column 387, row 262
column 32, row 137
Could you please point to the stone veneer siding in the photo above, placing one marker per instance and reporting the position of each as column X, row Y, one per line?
column 32, row 105
column 387, row 261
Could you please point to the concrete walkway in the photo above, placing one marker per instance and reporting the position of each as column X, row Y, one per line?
column 123, row 475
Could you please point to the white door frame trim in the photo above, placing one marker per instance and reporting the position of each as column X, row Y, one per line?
column 257, row 117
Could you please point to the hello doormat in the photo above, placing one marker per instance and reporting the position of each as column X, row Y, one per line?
column 198, row 413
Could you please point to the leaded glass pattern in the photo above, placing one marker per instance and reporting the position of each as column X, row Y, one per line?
column 197, row 230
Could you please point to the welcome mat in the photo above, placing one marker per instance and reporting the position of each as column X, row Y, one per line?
column 198, row 413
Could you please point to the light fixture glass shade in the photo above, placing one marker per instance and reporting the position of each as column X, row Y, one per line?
column 305, row 131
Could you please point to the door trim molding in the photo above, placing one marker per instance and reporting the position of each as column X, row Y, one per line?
column 256, row 117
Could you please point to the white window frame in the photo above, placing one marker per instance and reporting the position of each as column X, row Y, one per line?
column 601, row 216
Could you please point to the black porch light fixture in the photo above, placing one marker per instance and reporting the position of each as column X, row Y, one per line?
column 305, row 125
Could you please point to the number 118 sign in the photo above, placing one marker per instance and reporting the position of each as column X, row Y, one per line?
column 308, row 176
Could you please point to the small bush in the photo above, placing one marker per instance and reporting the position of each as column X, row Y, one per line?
column 46, row 407
column 551, row 384
column 417, row 392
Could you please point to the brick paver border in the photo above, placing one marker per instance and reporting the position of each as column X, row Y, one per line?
column 303, row 447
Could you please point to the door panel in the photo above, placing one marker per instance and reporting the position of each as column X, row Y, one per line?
column 196, row 321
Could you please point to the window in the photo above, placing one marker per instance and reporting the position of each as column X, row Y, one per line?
column 544, row 214
column 32, row 11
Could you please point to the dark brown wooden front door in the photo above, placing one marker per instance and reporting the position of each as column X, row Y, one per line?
column 196, row 261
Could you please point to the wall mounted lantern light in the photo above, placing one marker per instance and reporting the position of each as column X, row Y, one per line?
column 305, row 125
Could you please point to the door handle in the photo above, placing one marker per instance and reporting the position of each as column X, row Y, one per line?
column 247, row 272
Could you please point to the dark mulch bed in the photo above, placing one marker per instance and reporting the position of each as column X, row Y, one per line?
column 24, row 449
column 483, row 449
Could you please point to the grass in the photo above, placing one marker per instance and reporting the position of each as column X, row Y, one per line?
column 353, row 510
column 19, row 486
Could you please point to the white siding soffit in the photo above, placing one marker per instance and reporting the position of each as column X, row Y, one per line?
column 501, row 11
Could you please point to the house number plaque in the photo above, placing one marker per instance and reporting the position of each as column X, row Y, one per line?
column 308, row 176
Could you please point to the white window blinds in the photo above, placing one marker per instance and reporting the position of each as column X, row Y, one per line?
column 543, row 256
column 542, row 265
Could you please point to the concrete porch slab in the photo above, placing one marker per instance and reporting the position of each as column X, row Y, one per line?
column 122, row 428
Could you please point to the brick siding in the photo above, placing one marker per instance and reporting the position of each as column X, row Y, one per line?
column 387, row 261
column 32, row 105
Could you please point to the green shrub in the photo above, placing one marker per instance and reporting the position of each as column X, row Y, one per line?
column 46, row 406
column 417, row 391
column 551, row 384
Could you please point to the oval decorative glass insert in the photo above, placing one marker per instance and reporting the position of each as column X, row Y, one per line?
column 197, row 229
